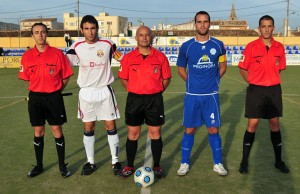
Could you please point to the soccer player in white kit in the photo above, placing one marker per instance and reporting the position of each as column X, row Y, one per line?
column 97, row 101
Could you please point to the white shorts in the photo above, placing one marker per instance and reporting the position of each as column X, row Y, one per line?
column 96, row 104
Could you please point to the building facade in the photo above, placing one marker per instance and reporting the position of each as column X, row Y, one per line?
column 231, row 24
column 51, row 23
column 108, row 25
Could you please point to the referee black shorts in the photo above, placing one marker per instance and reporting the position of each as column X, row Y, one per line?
column 46, row 106
column 142, row 109
column 263, row 102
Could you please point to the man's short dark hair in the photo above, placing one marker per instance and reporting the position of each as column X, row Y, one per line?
column 39, row 24
column 266, row 17
column 201, row 13
column 90, row 19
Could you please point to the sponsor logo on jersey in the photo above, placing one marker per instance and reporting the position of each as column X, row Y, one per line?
column 100, row 53
column 204, row 62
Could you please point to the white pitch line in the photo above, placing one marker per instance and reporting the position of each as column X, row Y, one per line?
column 13, row 96
column 148, row 160
column 2, row 107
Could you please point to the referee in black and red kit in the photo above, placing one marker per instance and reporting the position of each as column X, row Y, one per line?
column 260, row 65
column 145, row 73
column 47, row 72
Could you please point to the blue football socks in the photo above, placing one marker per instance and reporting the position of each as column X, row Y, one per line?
column 216, row 147
column 186, row 147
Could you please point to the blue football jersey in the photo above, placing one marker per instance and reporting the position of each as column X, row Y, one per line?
column 201, row 61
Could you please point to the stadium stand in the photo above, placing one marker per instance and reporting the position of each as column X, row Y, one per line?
column 161, row 49
column 174, row 48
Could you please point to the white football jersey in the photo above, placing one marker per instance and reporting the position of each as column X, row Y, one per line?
column 94, row 61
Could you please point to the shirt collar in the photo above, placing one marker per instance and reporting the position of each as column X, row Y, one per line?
column 137, row 53
column 37, row 52
column 261, row 43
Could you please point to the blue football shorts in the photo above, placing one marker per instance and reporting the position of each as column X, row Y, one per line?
column 201, row 109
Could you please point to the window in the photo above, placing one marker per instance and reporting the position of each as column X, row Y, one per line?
column 101, row 23
column 101, row 31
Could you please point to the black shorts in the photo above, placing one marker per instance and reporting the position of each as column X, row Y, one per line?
column 263, row 102
column 50, row 107
column 142, row 109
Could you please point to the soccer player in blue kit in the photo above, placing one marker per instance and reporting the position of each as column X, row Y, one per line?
column 201, row 63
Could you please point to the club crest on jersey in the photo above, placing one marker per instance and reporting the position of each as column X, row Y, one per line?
column 100, row 53
column 277, row 62
column 51, row 71
column 155, row 69
column 213, row 51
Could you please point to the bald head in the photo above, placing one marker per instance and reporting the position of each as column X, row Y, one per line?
column 146, row 28
column 144, row 36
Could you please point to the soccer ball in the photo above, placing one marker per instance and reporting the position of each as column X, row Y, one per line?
column 144, row 177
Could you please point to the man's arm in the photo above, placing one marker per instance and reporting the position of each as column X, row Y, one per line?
column 124, row 83
column 65, row 82
column 223, row 67
column 166, row 83
column 244, row 74
column 182, row 73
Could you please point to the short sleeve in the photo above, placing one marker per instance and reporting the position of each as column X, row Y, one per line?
column 124, row 68
column 182, row 60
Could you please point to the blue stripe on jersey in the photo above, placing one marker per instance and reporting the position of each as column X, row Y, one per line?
column 201, row 61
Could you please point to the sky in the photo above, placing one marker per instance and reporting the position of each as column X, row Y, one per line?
column 154, row 12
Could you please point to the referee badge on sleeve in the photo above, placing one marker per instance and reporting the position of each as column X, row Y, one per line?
column 242, row 58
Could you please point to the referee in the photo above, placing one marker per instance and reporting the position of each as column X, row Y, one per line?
column 145, row 73
column 47, row 72
column 260, row 66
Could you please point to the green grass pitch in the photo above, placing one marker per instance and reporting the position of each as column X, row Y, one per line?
column 17, row 154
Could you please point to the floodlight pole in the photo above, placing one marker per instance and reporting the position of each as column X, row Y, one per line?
column 78, row 18
column 286, row 29
column 20, row 28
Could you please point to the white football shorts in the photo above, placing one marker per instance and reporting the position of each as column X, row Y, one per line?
column 97, row 104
